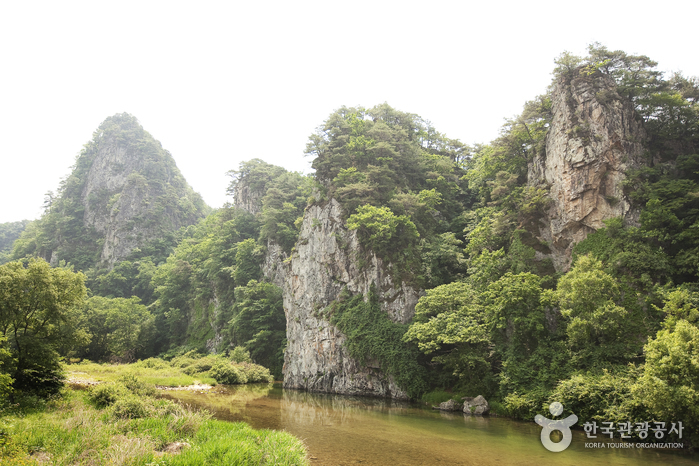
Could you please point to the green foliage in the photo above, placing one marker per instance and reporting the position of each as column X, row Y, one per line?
column 280, row 197
column 385, row 165
column 669, row 386
column 284, row 201
column 391, row 237
column 9, row 232
column 450, row 326
column 120, row 329
column 106, row 394
column 599, row 329
column 247, row 261
column 195, row 287
column 37, row 304
column 5, row 379
column 68, row 229
column 259, row 324
column 602, row 395
column 240, row 354
column 373, row 338
column 227, row 373
column 443, row 259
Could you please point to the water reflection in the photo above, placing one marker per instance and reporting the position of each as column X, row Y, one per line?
column 341, row 430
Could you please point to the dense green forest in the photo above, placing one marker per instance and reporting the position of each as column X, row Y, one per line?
column 613, row 338
column 9, row 232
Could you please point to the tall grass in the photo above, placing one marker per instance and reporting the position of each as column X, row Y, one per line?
column 72, row 430
column 163, row 375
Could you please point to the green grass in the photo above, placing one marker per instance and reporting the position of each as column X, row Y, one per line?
column 439, row 396
column 164, row 375
column 71, row 430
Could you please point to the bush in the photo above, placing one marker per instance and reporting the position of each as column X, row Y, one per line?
column 185, row 360
column 227, row 373
column 132, row 407
column 256, row 373
column 200, row 365
column 107, row 393
column 152, row 363
column 240, row 354
column 527, row 405
column 136, row 386
column 601, row 396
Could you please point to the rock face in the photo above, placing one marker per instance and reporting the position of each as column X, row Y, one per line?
column 248, row 199
column 325, row 263
column 133, row 190
column 124, row 192
column 594, row 137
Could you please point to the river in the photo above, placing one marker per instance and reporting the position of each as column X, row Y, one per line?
column 344, row 430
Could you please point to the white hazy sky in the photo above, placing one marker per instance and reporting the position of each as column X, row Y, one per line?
column 221, row 82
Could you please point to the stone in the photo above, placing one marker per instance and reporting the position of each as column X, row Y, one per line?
column 595, row 136
column 449, row 405
column 477, row 405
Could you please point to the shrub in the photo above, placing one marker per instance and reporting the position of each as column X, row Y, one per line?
column 256, row 373
column 599, row 396
column 136, row 386
column 185, row 360
column 132, row 407
column 152, row 363
column 107, row 393
column 527, row 405
column 240, row 354
column 227, row 373
column 200, row 365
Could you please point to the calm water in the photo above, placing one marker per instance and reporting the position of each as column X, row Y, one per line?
column 340, row 430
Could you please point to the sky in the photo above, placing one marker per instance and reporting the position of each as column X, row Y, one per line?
column 221, row 82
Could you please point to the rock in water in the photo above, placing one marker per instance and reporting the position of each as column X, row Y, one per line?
column 450, row 405
column 477, row 405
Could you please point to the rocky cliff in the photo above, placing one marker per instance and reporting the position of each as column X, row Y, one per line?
column 144, row 191
column 325, row 262
column 593, row 139
column 125, row 194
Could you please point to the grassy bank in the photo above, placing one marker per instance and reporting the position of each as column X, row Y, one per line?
column 187, row 369
column 161, row 374
column 122, row 424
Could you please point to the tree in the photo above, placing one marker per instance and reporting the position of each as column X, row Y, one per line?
column 119, row 327
column 599, row 330
column 260, row 324
column 35, row 303
column 450, row 326
column 669, row 386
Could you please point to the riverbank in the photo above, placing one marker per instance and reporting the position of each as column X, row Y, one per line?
column 133, row 428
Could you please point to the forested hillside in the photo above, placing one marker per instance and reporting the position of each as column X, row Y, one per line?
column 560, row 262
column 9, row 232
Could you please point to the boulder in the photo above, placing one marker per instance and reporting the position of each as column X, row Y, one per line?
column 450, row 405
column 477, row 405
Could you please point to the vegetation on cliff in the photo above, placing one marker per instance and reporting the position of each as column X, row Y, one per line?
column 123, row 168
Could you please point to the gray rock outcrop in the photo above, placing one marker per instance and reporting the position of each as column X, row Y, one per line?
column 593, row 139
column 449, row 405
column 478, row 405
column 119, row 200
column 325, row 262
